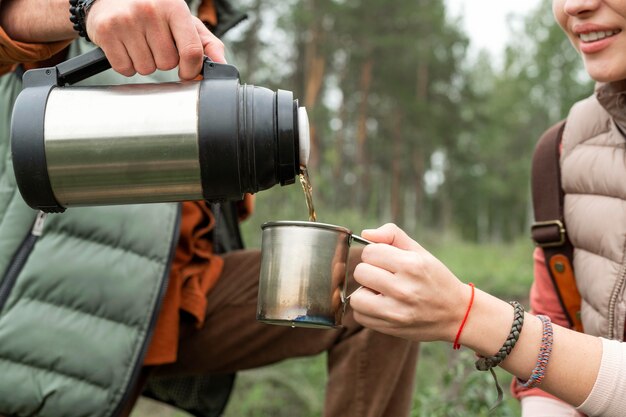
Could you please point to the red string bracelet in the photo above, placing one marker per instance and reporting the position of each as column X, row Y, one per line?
column 456, row 345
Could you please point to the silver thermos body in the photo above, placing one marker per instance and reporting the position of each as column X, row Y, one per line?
column 212, row 139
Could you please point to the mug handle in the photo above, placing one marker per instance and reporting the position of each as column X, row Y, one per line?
column 359, row 239
column 363, row 241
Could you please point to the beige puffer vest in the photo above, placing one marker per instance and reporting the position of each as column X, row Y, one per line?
column 593, row 170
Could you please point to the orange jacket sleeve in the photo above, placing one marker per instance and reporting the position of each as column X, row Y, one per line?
column 13, row 52
column 207, row 12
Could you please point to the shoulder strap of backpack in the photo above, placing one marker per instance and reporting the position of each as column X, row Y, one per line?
column 549, row 231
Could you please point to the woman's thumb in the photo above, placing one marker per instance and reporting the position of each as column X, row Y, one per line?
column 391, row 235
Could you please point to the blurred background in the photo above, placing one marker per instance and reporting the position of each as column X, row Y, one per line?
column 424, row 113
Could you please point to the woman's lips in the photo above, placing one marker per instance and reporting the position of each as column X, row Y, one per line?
column 596, row 40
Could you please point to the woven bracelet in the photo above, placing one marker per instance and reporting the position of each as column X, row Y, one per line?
column 488, row 363
column 485, row 363
column 544, row 355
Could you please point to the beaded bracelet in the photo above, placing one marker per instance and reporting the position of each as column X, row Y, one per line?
column 544, row 355
column 78, row 15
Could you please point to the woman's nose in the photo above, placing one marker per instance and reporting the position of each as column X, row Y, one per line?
column 579, row 7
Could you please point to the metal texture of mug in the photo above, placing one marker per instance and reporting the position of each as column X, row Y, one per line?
column 303, row 273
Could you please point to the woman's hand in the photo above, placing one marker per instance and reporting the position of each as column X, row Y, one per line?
column 408, row 292
column 141, row 36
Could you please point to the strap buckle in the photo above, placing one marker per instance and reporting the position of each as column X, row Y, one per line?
column 548, row 234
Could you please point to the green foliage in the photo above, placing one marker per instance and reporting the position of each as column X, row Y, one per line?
column 409, row 129
column 502, row 270
column 448, row 385
column 291, row 388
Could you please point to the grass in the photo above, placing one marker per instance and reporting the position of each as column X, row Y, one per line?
column 447, row 383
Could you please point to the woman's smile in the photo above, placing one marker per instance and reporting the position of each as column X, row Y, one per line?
column 594, row 39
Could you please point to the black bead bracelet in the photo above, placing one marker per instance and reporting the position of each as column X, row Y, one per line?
column 78, row 16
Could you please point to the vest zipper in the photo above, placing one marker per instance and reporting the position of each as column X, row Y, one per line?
column 20, row 257
column 617, row 289
column 144, row 348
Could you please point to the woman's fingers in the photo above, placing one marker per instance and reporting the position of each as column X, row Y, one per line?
column 369, row 303
column 374, row 278
column 391, row 235
column 392, row 258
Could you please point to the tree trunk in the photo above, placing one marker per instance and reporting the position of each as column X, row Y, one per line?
column 422, row 78
column 418, row 174
column 314, row 70
column 361, row 134
column 397, row 196
column 252, row 44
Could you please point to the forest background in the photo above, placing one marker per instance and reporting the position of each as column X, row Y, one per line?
column 407, row 127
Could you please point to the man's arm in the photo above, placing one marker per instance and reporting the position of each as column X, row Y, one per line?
column 36, row 21
column 136, row 35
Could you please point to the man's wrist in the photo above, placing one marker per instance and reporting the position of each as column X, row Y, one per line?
column 34, row 21
column 78, row 16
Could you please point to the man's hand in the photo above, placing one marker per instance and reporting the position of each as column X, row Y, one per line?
column 141, row 36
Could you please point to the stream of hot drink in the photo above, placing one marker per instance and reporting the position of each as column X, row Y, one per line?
column 308, row 192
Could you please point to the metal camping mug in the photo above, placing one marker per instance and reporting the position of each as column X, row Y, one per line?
column 303, row 273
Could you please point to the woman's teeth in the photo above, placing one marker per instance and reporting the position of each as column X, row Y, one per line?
column 596, row 36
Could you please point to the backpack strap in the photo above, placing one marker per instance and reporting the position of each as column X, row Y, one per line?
column 548, row 232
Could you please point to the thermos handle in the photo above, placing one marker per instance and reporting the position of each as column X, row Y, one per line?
column 82, row 67
column 95, row 61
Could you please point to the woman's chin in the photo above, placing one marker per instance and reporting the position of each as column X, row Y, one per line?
column 605, row 73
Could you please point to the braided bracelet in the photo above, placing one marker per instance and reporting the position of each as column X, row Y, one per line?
column 544, row 355
column 488, row 363
column 78, row 16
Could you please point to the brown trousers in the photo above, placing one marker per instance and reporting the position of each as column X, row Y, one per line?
column 370, row 374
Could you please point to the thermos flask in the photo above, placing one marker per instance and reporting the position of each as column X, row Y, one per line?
column 211, row 139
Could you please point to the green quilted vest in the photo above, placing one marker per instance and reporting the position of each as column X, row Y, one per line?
column 78, row 297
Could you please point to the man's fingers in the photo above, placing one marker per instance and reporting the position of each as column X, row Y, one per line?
column 140, row 54
column 118, row 57
column 188, row 43
column 145, row 35
column 162, row 47
column 212, row 46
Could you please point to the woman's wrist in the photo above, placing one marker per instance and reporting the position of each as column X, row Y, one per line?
column 463, row 305
column 488, row 324
column 488, row 327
